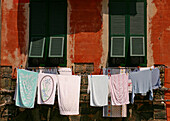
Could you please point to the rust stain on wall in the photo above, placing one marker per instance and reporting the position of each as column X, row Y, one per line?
column 14, row 33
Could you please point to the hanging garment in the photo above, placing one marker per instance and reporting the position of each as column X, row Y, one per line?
column 26, row 88
column 111, row 71
column 49, row 70
column 65, row 71
column 68, row 94
column 114, row 111
column 130, row 85
column 98, row 88
column 156, row 82
column 119, row 89
column 146, row 68
column 141, row 83
column 46, row 88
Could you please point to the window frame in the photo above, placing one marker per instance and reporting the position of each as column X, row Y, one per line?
column 42, row 53
column 112, row 48
column 49, row 54
column 132, row 48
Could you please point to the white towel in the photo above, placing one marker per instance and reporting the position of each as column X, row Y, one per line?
column 119, row 89
column 98, row 87
column 68, row 94
column 46, row 88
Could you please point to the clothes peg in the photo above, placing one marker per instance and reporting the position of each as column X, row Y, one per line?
column 138, row 67
column 109, row 75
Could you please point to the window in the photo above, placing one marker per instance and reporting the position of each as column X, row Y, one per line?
column 117, row 47
column 127, row 33
column 48, row 32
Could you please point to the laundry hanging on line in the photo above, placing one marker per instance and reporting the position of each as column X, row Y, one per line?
column 46, row 88
column 98, row 88
column 25, row 88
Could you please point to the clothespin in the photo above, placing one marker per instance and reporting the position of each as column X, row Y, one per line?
column 138, row 67
column 109, row 75
column 150, row 68
column 126, row 72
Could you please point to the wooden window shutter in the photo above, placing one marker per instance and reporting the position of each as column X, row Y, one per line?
column 56, row 47
column 137, row 19
column 37, row 47
column 117, row 10
column 137, row 46
column 38, row 16
column 117, row 47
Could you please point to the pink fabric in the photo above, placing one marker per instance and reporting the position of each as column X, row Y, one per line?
column 119, row 89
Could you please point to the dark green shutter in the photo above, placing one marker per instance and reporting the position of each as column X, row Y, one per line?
column 117, row 12
column 36, row 47
column 57, row 18
column 38, row 16
column 118, row 47
column 137, row 46
column 56, row 47
column 137, row 19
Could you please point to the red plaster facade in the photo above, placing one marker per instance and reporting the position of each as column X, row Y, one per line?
column 85, row 31
column 160, row 40
column 14, row 33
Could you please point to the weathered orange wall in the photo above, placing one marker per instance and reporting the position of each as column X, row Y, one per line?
column 14, row 33
column 86, row 29
column 160, row 38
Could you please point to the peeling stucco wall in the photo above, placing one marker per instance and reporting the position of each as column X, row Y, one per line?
column 87, row 32
column 158, row 39
column 151, row 11
column 15, row 33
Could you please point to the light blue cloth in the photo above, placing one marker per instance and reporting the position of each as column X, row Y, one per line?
column 141, row 83
column 26, row 88
column 156, row 82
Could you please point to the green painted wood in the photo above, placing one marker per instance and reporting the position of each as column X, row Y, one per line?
column 48, row 18
column 134, row 12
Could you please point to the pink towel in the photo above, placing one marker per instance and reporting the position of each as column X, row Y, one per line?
column 119, row 89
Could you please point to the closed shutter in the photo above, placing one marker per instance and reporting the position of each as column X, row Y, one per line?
column 117, row 11
column 117, row 47
column 37, row 47
column 58, row 18
column 38, row 16
column 137, row 46
column 56, row 47
column 137, row 19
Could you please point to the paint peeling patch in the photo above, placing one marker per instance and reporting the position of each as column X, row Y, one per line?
column 168, row 28
column 105, row 39
column 17, row 60
column 151, row 9
column 8, row 4
column 151, row 12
